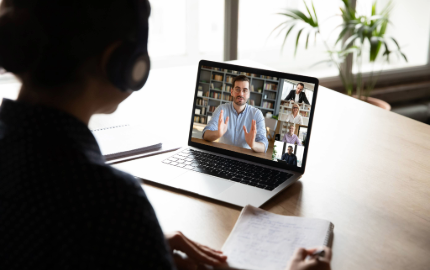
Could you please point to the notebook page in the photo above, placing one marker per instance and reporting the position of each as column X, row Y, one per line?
column 263, row 240
column 122, row 139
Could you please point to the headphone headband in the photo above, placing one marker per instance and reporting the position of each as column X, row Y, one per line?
column 128, row 67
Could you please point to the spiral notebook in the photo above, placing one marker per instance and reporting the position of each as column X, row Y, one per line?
column 263, row 240
column 125, row 141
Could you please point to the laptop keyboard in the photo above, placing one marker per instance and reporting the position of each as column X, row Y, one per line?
column 230, row 169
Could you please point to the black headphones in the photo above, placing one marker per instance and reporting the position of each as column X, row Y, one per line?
column 128, row 67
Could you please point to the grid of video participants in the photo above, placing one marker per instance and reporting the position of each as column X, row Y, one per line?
column 228, row 101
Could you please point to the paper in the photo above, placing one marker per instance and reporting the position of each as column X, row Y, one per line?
column 262, row 240
column 125, row 140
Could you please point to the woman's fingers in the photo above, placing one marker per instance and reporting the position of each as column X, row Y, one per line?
column 203, row 246
column 201, row 255
column 299, row 255
column 327, row 253
column 299, row 261
column 204, row 254
column 210, row 251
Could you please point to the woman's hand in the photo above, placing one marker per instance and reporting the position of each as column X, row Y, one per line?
column 298, row 260
column 197, row 254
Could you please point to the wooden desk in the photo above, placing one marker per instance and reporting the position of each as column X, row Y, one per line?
column 267, row 155
column 370, row 176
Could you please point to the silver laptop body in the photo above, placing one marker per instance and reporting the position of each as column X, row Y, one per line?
column 157, row 168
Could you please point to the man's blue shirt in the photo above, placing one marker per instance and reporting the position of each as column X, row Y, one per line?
column 235, row 134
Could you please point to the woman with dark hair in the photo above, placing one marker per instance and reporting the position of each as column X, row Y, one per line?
column 61, row 206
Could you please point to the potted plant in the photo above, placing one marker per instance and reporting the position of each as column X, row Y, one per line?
column 358, row 32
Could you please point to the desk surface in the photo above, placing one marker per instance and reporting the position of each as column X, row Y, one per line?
column 369, row 176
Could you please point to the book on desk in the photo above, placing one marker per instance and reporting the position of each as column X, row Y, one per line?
column 126, row 142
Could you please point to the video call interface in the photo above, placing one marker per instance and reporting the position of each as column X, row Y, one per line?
column 253, row 114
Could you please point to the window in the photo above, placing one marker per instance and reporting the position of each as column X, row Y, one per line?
column 299, row 154
column 182, row 32
column 257, row 19
column 167, row 28
column 279, row 149
column 410, row 26
column 286, row 89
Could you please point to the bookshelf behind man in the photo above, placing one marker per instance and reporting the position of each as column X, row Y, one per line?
column 215, row 85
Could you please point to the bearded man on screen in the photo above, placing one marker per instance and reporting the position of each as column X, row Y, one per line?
column 238, row 123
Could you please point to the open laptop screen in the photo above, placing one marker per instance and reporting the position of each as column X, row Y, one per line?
column 254, row 112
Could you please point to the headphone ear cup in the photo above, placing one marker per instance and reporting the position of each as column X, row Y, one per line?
column 138, row 71
column 125, row 72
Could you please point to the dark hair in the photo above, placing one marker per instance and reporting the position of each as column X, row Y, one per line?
column 290, row 146
column 51, row 39
column 301, row 84
column 240, row 78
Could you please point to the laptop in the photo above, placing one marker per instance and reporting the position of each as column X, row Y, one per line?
column 226, row 168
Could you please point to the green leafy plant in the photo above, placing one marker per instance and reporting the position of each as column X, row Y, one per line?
column 274, row 152
column 357, row 34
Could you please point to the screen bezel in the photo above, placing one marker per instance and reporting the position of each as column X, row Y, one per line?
column 265, row 72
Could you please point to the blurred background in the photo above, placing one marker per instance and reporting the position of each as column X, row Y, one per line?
column 182, row 32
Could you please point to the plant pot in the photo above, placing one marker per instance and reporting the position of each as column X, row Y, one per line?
column 377, row 102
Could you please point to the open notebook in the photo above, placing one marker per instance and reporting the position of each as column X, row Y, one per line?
column 120, row 142
column 263, row 240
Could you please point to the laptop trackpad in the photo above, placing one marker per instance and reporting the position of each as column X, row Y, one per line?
column 201, row 184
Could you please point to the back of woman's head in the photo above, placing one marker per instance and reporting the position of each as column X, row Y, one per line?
column 50, row 40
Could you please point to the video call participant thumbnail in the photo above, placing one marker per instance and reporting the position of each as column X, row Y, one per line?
column 298, row 95
column 237, row 123
column 289, row 157
column 295, row 117
column 290, row 137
